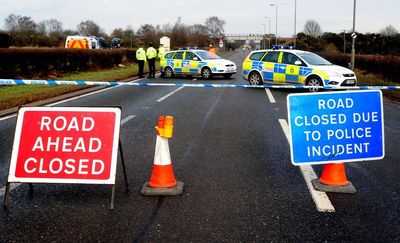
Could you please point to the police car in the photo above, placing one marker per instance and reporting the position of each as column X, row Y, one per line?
column 295, row 67
column 195, row 63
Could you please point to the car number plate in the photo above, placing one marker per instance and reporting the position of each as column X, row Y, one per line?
column 351, row 81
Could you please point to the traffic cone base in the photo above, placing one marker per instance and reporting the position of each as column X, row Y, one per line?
column 349, row 188
column 177, row 190
column 333, row 179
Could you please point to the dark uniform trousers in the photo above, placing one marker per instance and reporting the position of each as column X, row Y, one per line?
column 152, row 67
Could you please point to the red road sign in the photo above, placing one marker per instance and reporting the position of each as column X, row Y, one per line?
column 65, row 145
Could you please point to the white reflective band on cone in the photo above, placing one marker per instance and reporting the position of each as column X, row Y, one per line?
column 162, row 155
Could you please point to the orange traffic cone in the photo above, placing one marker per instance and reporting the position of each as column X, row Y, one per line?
column 162, row 180
column 334, row 179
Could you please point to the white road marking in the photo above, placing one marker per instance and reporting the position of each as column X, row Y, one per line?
column 12, row 187
column 195, row 79
column 168, row 95
column 126, row 119
column 270, row 96
column 321, row 200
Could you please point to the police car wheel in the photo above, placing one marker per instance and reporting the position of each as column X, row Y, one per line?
column 255, row 78
column 168, row 73
column 206, row 73
column 314, row 81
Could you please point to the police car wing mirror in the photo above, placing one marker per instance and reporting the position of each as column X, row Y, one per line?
column 298, row 63
column 195, row 59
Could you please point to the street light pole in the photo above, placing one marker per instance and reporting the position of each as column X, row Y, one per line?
column 344, row 41
column 269, row 31
column 353, row 51
column 276, row 27
column 295, row 17
column 263, row 39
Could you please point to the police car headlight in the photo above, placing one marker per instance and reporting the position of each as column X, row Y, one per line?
column 333, row 73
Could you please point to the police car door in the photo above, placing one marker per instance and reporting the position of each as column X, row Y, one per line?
column 192, row 62
column 292, row 69
column 270, row 64
column 178, row 58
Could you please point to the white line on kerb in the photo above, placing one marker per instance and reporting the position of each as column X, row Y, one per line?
column 74, row 98
column 126, row 119
column 168, row 95
column 12, row 187
column 270, row 96
column 321, row 200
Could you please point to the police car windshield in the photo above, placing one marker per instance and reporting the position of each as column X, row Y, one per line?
column 206, row 55
column 313, row 59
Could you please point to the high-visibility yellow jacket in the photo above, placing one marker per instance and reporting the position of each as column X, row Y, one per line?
column 141, row 54
column 151, row 53
column 161, row 52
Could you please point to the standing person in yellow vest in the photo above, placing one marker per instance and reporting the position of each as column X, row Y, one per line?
column 141, row 59
column 151, row 54
column 161, row 51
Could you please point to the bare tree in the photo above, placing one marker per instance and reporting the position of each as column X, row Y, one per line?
column 148, row 33
column 312, row 28
column 198, row 35
column 389, row 31
column 215, row 27
column 179, row 34
column 54, row 27
column 89, row 28
column 22, row 29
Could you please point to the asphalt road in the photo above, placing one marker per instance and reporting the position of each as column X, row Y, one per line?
column 230, row 150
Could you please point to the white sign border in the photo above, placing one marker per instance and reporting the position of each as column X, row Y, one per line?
column 335, row 161
column 17, row 138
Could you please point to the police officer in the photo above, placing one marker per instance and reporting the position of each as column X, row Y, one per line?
column 161, row 51
column 212, row 49
column 151, row 54
column 141, row 59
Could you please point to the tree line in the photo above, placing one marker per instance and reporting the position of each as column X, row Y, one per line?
column 386, row 42
column 23, row 31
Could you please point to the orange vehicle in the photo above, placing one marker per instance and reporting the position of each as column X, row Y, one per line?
column 82, row 42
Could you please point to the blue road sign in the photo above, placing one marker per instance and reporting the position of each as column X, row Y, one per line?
column 331, row 127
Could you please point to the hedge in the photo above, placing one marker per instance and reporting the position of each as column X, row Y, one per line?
column 385, row 66
column 28, row 62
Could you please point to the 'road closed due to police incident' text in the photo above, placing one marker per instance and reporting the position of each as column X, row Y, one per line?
column 336, row 126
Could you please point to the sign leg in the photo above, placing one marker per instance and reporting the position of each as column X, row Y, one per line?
column 30, row 189
column 6, row 195
column 123, row 166
column 112, row 197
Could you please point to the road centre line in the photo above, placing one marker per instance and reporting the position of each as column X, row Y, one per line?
column 169, row 94
column 321, row 200
column 270, row 96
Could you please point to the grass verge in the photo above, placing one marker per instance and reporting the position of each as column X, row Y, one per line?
column 368, row 79
column 13, row 96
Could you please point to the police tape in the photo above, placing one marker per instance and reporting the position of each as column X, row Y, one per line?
column 145, row 84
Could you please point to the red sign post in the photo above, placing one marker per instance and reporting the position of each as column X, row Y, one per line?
column 65, row 145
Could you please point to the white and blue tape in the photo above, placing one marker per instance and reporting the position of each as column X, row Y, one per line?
column 144, row 84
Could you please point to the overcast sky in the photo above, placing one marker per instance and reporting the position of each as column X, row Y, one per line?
column 241, row 16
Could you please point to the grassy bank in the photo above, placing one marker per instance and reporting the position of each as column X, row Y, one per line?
column 13, row 96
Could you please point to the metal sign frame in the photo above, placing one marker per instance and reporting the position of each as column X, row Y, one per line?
column 116, row 147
